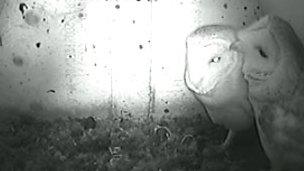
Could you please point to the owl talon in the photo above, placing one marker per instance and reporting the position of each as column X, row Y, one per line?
column 220, row 150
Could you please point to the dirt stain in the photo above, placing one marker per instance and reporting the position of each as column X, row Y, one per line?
column 18, row 61
column 225, row 6
column 31, row 18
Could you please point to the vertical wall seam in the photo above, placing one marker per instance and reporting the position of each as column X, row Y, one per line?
column 151, row 105
column 112, row 103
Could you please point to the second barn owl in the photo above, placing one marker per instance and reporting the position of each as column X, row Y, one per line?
column 273, row 67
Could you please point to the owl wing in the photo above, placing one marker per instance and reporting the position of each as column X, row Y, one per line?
column 281, row 126
column 281, row 133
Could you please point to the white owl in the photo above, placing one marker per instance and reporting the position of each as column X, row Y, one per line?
column 273, row 67
column 213, row 73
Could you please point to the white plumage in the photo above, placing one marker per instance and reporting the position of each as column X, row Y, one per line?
column 213, row 74
column 273, row 67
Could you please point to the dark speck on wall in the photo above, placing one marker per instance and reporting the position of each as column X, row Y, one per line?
column 22, row 7
column 225, row 5
column 80, row 15
column 133, row 21
column 62, row 21
column 38, row 44
column 258, row 7
column 47, row 31
column 245, row 8
column 51, row 91
column 1, row 41
column 117, row 6
column 141, row 47
column 17, row 60
column 222, row 16
column 166, row 111
column 244, row 23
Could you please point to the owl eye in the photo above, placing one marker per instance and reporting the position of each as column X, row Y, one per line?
column 262, row 52
column 215, row 59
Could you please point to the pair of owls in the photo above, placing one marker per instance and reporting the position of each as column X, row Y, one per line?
column 253, row 76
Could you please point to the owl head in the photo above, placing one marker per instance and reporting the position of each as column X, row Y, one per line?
column 273, row 58
column 209, row 58
column 213, row 74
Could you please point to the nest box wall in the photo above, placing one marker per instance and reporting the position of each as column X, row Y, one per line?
column 94, row 57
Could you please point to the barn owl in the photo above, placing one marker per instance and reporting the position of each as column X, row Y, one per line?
column 213, row 74
column 273, row 67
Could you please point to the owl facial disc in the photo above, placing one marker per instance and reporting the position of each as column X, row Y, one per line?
column 209, row 60
column 274, row 55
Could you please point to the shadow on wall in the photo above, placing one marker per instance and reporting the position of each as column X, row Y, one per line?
column 42, row 111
